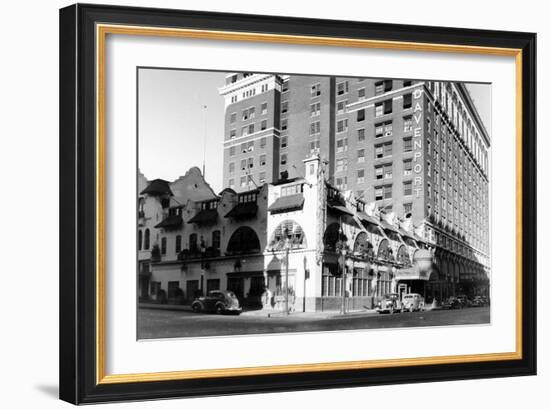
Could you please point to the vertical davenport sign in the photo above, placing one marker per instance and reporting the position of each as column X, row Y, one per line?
column 417, row 142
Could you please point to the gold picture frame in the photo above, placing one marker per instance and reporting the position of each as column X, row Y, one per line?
column 97, row 21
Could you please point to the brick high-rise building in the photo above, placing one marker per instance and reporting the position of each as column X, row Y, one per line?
column 416, row 148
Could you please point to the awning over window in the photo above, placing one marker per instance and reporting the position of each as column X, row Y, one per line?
column 419, row 239
column 171, row 222
column 341, row 209
column 205, row 216
column 415, row 273
column 386, row 225
column 247, row 274
column 405, row 233
column 366, row 218
column 243, row 210
column 287, row 203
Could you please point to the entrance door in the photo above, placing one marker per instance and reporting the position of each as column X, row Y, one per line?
column 257, row 287
column 144, row 287
column 401, row 289
column 236, row 284
column 192, row 290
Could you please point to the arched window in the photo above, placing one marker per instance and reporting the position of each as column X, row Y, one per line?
column 140, row 239
column 403, row 256
column 147, row 240
column 141, row 207
column 332, row 236
column 288, row 231
column 384, row 250
column 362, row 247
column 243, row 240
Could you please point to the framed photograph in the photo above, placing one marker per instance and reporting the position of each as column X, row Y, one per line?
column 257, row 203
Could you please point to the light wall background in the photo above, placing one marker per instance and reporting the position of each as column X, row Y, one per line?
column 29, row 170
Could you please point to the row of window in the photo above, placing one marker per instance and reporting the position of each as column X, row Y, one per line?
column 247, row 147
column 458, row 210
column 384, row 192
column 144, row 241
column 248, row 129
column 459, row 115
column 249, row 180
column 331, row 286
column 381, row 129
column 384, row 108
column 468, row 180
column 193, row 242
column 382, row 150
column 380, row 87
column 383, row 171
column 464, row 169
column 247, row 164
column 472, row 233
column 248, row 113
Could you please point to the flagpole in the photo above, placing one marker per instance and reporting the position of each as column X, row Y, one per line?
column 204, row 107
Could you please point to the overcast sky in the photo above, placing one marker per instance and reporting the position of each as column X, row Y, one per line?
column 174, row 125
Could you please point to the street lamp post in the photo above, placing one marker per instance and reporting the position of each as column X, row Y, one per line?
column 343, row 252
column 287, row 246
column 342, row 247
column 287, row 254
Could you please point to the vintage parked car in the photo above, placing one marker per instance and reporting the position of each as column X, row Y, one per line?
column 413, row 302
column 463, row 300
column 452, row 303
column 480, row 301
column 390, row 303
column 217, row 301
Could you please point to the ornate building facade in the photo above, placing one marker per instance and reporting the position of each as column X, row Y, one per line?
column 417, row 149
column 299, row 239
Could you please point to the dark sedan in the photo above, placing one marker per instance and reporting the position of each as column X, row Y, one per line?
column 217, row 301
column 452, row 303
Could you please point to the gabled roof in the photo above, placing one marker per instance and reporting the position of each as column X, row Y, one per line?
column 291, row 202
column 192, row 186
column 157, row 187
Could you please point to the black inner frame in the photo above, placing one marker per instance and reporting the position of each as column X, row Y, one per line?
column 78, row 211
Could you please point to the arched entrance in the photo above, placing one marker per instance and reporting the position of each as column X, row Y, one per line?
column 332, row 235
column 246, row 284
column 243, row 240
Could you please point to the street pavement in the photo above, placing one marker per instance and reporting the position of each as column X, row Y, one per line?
column 163, row 323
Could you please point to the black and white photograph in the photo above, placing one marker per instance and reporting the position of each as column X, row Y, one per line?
column 280, row 203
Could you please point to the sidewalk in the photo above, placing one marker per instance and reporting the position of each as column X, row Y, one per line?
column 169, row 307
column 300, row 314
column 267, row 313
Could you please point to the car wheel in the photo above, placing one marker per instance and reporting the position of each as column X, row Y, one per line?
column 196, row 308
column 220, row 309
